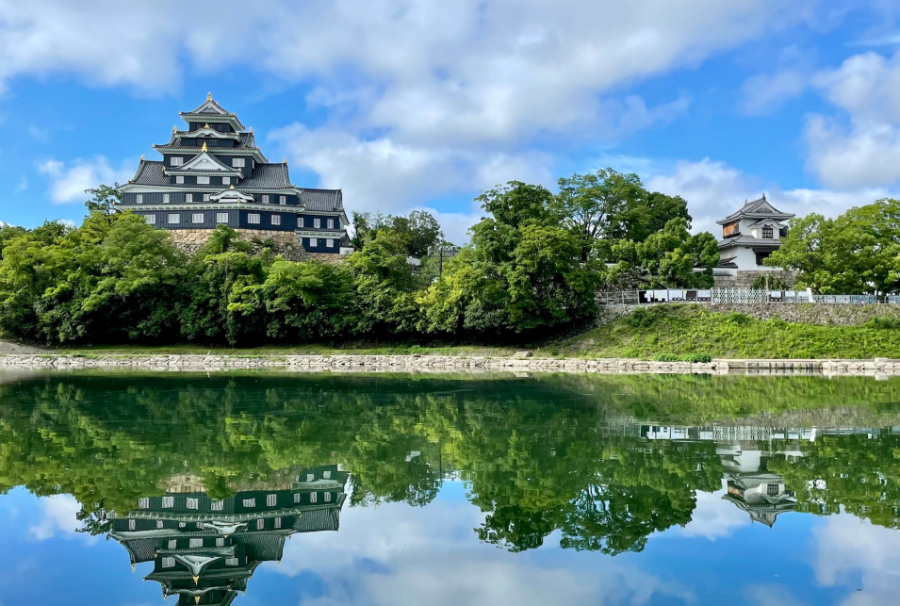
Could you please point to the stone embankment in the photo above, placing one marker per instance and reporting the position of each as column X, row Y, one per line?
column 879, row 367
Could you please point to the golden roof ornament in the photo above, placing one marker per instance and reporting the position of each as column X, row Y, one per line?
column 142, row 157
column 284, row 160
column 209, row 96
column 203, row 149
column 251, row 129
column 232, row 186
column 206, row 125
column 174, row 129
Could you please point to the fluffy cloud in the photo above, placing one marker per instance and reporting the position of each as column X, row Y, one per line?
column 714, row 190
column 864, row 150
column 68, row 182
column 714, row 518
column 400, row 555
column 764, row 93
column 59, row 519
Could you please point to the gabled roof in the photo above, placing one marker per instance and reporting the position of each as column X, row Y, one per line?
column 767, row 222
column 750, row 242
column 150, row 172
column 757, row 209
column 204, row 161
column 267, row 176
column 211, row 109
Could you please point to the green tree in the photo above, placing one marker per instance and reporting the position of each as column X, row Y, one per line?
column 103, row 199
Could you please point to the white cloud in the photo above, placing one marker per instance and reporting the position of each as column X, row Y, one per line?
column 68, row 182
column 850, row 551
column 409, row 551
column 865, row 151
column 714, row 190
column 59, row 519
column 713, row 517
column 23, row 184
column 765, row 93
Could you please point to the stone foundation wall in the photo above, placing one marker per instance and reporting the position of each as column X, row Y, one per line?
column 880, row 368
column 286, row 243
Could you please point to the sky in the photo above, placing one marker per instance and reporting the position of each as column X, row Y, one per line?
column 416, row 104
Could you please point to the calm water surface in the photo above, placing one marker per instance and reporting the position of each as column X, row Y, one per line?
column 357, row 490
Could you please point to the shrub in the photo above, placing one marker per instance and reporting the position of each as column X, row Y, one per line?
column 693, row 358
column 883, row 323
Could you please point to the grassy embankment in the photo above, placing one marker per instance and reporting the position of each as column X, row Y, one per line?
column 654, row 332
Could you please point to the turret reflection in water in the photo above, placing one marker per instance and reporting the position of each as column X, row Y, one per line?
column 205, row 550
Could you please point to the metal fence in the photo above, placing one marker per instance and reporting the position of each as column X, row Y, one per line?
column 733, row 295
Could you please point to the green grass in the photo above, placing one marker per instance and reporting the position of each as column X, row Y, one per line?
column 686, row 331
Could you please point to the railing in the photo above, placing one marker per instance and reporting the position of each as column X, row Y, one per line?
column 733, row 295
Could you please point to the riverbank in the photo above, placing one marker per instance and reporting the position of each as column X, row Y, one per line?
column 879, row 367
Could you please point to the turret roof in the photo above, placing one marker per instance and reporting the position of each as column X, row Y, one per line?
column 757, row 209
column 211, row 109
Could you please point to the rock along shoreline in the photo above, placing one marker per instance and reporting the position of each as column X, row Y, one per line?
column 878, row 367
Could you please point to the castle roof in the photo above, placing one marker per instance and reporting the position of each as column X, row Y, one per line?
column 757, row 209
column 210, row 110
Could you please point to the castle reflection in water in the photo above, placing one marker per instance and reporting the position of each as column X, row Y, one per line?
column 205, row 550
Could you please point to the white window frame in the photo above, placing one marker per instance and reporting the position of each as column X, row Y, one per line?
column 159, row 524
column 139, row 198
column 238, row 163
column 192, row 503
column 165, row 198
column 297, row 497
column 168, row 562
column 330, row 223
column 313, row 497
column 132, row 524
column 206, row 197
column 226, row 180
column 151, row 219
column 144, row 503
column 231, row 561
column 176, row 161
column 195, row 542
column 317, row 223
column 222, row 218
column 197, row 218
column 253, row 218
column 271, row 500
column 276, row 219
column 329, row 242
column 260, row 524
column 188, row 197
column 179, row 179
column 326, row 475
column 202, row 180
column 249, row 502
column 277, row 523
column 301, row 222
column 328, row 497
column 174, row 219
column 265, row 198
column 220, row 541
column 217, row 506
column 313, row 242
column 168, row 502
column 282, row 200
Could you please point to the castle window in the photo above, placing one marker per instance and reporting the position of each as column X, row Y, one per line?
column 221, row 217
column 177, row 161
column 217, row 506
column 179, row 179
column 313, row 242
column 193, row 502
column 253, row 218
column 151, row 219
column 202, row 180
column 277, row 522
column 144, row 503
column 206, row 197
column 231, row 561
column 260, row 524
column 132, row 524
column 168, row 502
column 249, row 502
column 329, row 242
column 182, row 524
column 271, row 500
column 767, row 232
column 197, row 218
column 282, row 200
column 139, row 198
column 317, row 223
column 326, row 475
column 772, row 490
column 313, row 497
column 276, row 219
column 168, row 562
column 328, row 497
column 226, row 180
column 159, row 524
column 165, row 198
column 238, row 162
column 195, row 542
column 265, row 198
column 188, row 197
column 297, row 497
column 220, row 542
column 173, row 544
column 330, row 223
column 174, row 219
column 301, row 222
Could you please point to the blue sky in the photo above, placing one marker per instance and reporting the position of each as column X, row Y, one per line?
column 410, row 104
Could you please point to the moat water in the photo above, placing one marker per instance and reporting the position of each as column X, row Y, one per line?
column 142, row 489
